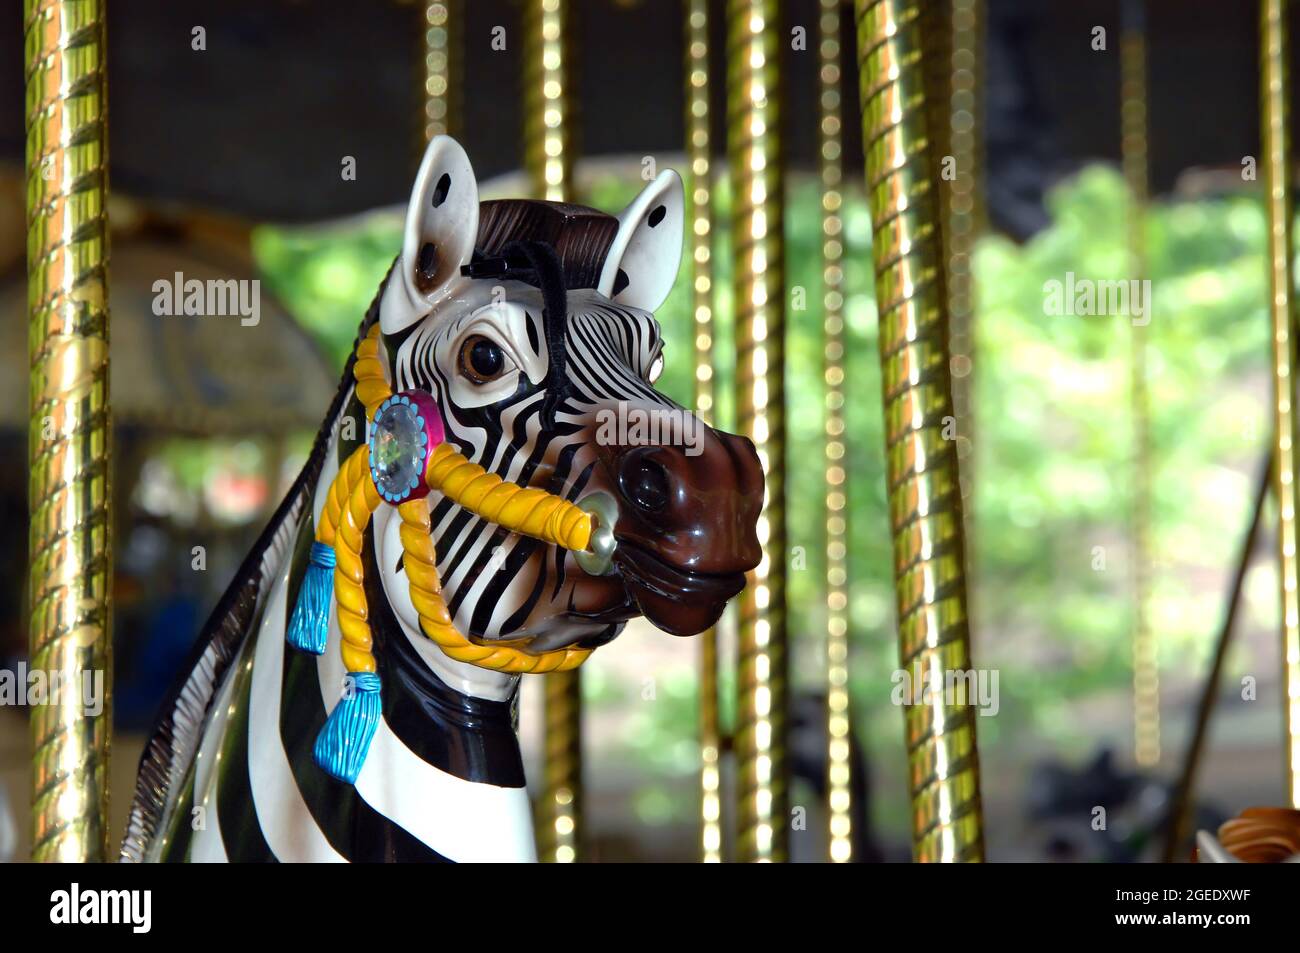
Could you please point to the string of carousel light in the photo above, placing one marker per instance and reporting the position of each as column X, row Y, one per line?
column 839, row 773
column 548, row 159
column 698, row 148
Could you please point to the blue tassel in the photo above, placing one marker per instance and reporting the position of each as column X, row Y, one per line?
column 342, row 744
column 309, row 626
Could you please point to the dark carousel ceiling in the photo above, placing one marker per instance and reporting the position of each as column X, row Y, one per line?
column 259, row 123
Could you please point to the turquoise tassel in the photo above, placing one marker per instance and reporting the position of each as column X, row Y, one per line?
column 342, row 744
column 309, row 626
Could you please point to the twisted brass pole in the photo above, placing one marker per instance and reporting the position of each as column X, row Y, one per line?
column 754, row 35
column 68, row 441
column 547, row 156
column 924, row 498
column 700, row 240
column 1275, row 108
column 1133, row 145
column 839, row 798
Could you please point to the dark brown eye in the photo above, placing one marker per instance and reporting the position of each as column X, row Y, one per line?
column 482, row 360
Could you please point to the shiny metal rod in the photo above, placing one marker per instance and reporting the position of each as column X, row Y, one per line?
column 69, row 438
column 1275, row 109
column 922, row 472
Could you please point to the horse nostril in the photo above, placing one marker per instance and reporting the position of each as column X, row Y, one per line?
column 644, row 482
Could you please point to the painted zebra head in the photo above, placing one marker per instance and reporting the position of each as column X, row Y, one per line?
column 532, row 325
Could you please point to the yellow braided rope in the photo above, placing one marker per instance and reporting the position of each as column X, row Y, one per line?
column 353, row 498
column 520, row 509
column 371, row 377
column 418, row 560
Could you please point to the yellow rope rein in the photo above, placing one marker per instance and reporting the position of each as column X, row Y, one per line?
column 353, row 498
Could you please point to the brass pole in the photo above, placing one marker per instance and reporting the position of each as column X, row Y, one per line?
column 1275, row 109
column 754, row 36
column 68, row 441
column 443, row 29
column 924, row 499
column 839, row 798
column 549, row 162
column 699, row 154
column 1133, row 145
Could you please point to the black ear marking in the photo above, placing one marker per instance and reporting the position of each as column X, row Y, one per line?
column 657, row 216
column 620, row 282
column 441, row 189
column 427, row 266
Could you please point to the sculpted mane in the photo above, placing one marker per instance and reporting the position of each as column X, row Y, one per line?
column 581, row 236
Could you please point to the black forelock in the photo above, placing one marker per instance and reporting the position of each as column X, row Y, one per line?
column 547, row 275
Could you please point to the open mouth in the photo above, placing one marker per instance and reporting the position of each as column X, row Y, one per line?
column 676, row 600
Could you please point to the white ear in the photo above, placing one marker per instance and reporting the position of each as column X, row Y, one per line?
column 441, row 228
column 642, row 263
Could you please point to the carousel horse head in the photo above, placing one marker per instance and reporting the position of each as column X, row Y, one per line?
column 532, row 490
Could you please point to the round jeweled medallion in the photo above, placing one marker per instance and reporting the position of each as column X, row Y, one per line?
column 406, row 427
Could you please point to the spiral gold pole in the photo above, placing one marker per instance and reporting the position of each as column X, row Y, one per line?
column 67, row 296
column 754, row 38
column 1274, row 110
column 700, row 240
column 838, row 776
column 443, row 30
column 1133, row 146
column 924, row 499
column 549, row 161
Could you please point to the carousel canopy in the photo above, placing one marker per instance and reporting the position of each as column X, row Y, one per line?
column 184, row 120
column 255, row 370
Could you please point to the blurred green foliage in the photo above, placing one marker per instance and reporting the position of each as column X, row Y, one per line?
column 1052, row 442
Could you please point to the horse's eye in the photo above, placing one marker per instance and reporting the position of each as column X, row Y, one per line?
column 482, row 360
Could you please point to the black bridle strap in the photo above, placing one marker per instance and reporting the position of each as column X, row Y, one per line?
column 543, row 266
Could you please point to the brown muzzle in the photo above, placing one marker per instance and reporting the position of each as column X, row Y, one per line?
column 687, row 526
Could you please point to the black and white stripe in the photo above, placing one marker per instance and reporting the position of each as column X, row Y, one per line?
column 609, row 349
